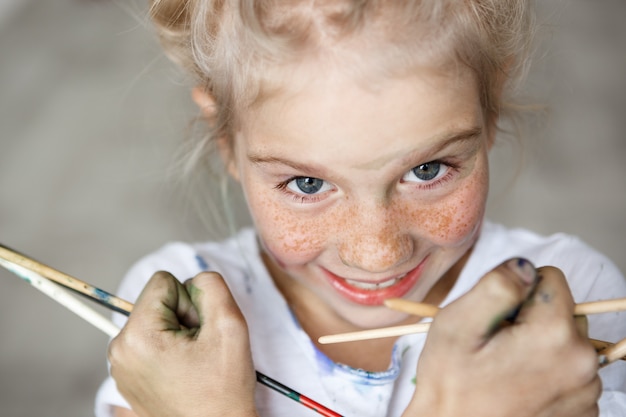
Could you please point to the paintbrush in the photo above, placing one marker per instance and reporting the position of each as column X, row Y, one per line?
column 426, row 310
column 95, row 294
column 582, row 309
column 613, row 352
column 63, row 297
column 34, row 272
column 609, row 352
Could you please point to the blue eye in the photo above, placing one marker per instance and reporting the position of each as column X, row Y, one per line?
column 426, row 172
column 307, row 185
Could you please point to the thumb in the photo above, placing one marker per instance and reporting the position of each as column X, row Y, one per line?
column 475, row 317
column 163, row 304
column 212, row 299
column 582, row 326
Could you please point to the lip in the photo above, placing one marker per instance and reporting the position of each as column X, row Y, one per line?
column 375, row 296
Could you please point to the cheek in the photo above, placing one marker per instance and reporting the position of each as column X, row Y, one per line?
column 290, row 238
column 455, row 220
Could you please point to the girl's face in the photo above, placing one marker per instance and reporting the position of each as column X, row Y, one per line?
column 363, row 193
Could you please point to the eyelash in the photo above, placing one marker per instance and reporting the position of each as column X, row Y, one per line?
column 452, row 169
column 298, row 198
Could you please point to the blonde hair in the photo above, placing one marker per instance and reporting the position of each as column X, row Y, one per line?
column 235, row 49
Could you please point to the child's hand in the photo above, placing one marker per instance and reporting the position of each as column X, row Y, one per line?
column 541, row 366
column 185, row 351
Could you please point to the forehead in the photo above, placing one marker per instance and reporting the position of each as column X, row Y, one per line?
column 361, row 116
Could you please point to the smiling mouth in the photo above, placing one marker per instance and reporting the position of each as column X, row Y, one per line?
column 375, row 293
column 372, row 286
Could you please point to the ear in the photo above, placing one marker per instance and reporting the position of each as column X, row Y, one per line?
column 226, row 149
column 492, row 130
column 205, row 101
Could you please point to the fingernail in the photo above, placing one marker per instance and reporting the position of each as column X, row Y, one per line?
column 524, row 269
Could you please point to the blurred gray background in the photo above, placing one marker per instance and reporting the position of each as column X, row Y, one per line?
column 91, row 116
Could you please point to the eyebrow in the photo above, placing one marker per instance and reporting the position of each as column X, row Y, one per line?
column 442, row 143
column 462, row 136
column 312, row 169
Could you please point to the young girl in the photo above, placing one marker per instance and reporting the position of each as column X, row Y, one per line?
column 359, row 132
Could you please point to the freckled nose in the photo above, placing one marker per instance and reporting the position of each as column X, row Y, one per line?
column 375, row 252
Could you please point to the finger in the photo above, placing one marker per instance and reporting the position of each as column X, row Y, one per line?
column 549, row 320
column 472, row 319
column 552, row 299
column 160, row 306
column 582, row 325
column 163, row 304
column 214, row 302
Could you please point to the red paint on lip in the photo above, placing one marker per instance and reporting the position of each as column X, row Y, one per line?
column 376, row 297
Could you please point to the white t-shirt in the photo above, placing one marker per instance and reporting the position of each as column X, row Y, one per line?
column 284, row 352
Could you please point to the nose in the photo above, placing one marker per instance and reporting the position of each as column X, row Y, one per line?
column 375, row 240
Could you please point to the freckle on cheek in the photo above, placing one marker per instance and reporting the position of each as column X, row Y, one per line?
column 289, row 236
column 292, row 236
column 454, row 220
column 298, row 238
